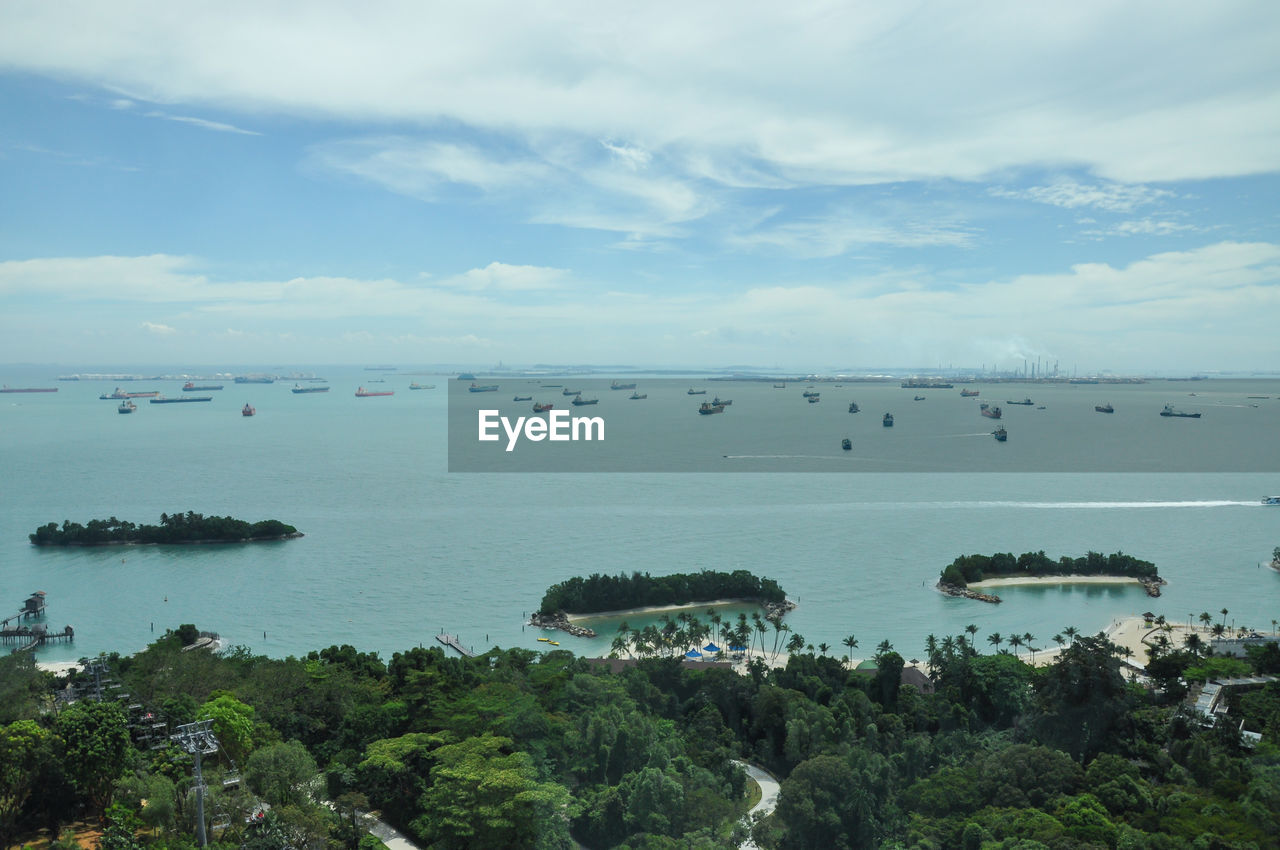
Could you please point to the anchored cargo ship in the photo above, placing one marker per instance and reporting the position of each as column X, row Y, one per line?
column 184, row 400
column 361, row 392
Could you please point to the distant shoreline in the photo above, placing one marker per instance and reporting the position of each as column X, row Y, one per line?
column 1058, row 579
column 203, row 542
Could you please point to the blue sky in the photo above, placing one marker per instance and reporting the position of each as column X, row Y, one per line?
column 822, row 186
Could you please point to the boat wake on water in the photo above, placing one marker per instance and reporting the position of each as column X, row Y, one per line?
column 1214, row 503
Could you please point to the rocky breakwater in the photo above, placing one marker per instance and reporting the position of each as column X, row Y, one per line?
column 1152, row 585
column 776, row 610
column 963, row 592
column 560, row 621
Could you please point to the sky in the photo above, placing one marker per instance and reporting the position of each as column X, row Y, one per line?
column 809, row 185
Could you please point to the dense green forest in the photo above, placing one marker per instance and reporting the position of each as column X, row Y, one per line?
column 599, row 592
column 967, row 568
column 515, row 749
column 190, row 527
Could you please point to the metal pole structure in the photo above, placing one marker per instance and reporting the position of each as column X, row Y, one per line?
column 198, row 740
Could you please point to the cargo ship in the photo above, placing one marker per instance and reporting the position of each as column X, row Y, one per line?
column 709, row 408
column 692, row 391
column 968, row 393
column 579, row 401
column 126, row 406
column 422, row 386
column 887, row 421
column 1169, row 411
column 853, row 407
column 1028, row 402
column 189, row 387
column 990, row 412
column 255, row 379
column 299, row 389
column 119, row 395
column 1000, row 434
column 846, row 444
column 617, row 386
column 926, row 385
column 541, row 408
column 723, row 402
column 523, row 398
column 1104, row 408
column 247, row 410
column 8, row 389
column 184, row 400
column 361, row 392
column 571, row 392
column 486, row 388
column 638, row 396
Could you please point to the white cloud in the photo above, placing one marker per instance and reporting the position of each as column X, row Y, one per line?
column 500, row 276
column 204, row 123
column 158, row 329
column 1113, row 197
column 811, row 92
column 837, row 233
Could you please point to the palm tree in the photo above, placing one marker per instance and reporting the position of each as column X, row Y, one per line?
column 1071, row 632
column 1224, row 615
column 948, row 646
column 822, row 648
column 852, row 643
column 995, row 639
column 972, row 630
column 1193, row 643
column 1015, row 641
column 1058, row 639
column 931, row 643
column 1218, row 629
column 884, row 647
column 1030, row 638
column 1206, row 618
column 796, row 643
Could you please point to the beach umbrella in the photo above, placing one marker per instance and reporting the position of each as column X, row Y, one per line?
column 711, row 647
column 693, row 653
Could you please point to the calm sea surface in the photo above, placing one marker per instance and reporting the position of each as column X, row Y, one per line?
column 397, row 548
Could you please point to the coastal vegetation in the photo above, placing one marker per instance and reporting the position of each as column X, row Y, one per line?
column 973, row 568
column 190, row 527
column 598, row 592
column 519, row 749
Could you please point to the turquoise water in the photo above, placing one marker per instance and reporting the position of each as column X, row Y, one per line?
column 397, row 549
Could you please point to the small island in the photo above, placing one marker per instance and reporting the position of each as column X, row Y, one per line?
column 601, row 594
column 175, row 528
column 970, row 570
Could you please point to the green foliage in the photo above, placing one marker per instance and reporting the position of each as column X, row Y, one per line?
column 232, row 724
column 21, row 686
column 96, row 744
column 1217, row 667
column 190, row 527
column 120, row 831
column 23, row 746
column 598, row 592
column 968, row 568
column 281, row 773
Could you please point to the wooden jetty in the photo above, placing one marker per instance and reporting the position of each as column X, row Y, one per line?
column 453, row 642
column 30, row 637
column 33, row 607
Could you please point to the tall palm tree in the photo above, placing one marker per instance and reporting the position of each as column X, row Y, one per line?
column 1058, row 639
column 1218, row 629
column 1015, row 641
column 822, row 648
column 1206, row 618
column 852, row 643
column 972, row 630
column 995, row 639
column 884, row 647
column 1224, row 616
column 1071, row 632
column 1029, row 638
column 796, row 643
column 931, row 643
column 948, row 646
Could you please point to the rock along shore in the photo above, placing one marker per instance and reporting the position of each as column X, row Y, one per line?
column 560, row 621
column 965, row 593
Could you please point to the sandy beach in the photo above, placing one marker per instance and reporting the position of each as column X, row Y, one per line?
column 659, row 609
column 58, row 668
column 1014, row 580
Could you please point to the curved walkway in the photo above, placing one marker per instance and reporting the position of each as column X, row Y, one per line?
column 768, row 797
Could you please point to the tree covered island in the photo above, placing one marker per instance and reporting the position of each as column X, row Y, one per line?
column 970, row 569
column 190, row 527
column 599, row 593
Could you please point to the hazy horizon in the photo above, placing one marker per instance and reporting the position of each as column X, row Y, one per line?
column 1093, row 185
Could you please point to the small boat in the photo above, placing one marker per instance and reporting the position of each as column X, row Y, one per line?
column 554, row 642
column 190, row 387
column 544, row 640
column 541, row 408
column 853, row 407
column 247, row 410
column 692, row 391
column 808, row 394
column 1039, row 407
column 709, row 408
column 523, row 398
column 487, row 388
column 617, row 386
column 159, row 399
column 1028, row 402
column 299, row 389
column 724, row 402
column 887, row 421
column 571, row 392
column 1271, row 500
column 1169, row 411
column 918, row 398
column 846, row 444
column 579, row 401
column 638, row 396
column 779, row 386
column 991, row 412
column 361, row 392
column 968, row 393
column 127, row 406
column 814, row 399
column 1000, row 434
column 422, row 386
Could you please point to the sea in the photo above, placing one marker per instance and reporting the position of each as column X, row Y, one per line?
column 399, row 549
